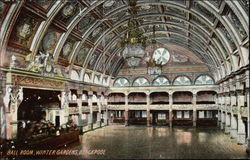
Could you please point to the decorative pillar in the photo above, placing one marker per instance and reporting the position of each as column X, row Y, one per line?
column 106, row 116
column 219, row 110
column 223, row 118
column 12, row 99
column 90, row 115
column 148, row 109
column 170, row 110
column 241, row 127
column 99, row 122
column 126, row 109
column 233, row 128
column 64, row 112
column 79, row 105
column 194, row 110
column 227, row 111
column 248, row 120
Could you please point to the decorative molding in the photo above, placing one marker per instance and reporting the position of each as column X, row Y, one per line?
column 164, row 107
column 37, row 82
column 159, row 107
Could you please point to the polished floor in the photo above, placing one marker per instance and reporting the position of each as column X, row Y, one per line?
column 132, row 142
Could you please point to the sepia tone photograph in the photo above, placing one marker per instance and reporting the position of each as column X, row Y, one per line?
column 124, row 79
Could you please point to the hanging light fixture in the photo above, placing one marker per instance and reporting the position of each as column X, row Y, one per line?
column 134, row 41
column 154, row 68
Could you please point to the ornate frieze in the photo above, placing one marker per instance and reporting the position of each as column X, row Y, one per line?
column 73, row 110
column 37, row 82
column 87, row 109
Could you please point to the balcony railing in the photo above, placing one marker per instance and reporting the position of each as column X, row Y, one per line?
column 165, row 107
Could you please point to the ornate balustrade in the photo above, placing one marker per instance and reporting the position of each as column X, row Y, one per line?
column 165, row 107
column 73, row 110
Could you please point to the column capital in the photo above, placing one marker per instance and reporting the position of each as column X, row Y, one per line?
column 79, row 92
column 147, row 93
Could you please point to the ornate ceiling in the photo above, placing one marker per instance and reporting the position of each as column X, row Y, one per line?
column 86, row 33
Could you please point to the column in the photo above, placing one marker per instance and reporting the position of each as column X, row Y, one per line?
column 106, row 116
column 64, row 112
column 233, row 128
column 170, row 110
column 222, row 125
column 79, row 105
column 227, row 111
column 99, row 122
column 90, row 115
column 194, row 110
column 126, row 109
column 219, row 110
column 148, row 109
column 248, row 120
column 241, row 127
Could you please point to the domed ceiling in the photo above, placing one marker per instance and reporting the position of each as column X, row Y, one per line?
column 86, row 33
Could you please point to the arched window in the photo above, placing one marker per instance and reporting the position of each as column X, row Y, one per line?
column 97, row 80
column 160, row 81
column 204, row 79
column 74, row 75
column 182, row 80
column 121, row 82
column 105, row 81
column 141, row 82
column 86, row 78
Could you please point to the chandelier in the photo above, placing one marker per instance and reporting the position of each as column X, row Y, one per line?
column 154, row 68
column 134, row 41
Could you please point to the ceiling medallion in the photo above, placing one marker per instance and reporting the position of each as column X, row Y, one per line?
column 49, row 41
column 134, row 41
column 25, row 29
column 67, row 49
column 68, row 10
column 109, row 3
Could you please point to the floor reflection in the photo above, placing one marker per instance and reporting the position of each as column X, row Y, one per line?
column 158, row 142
